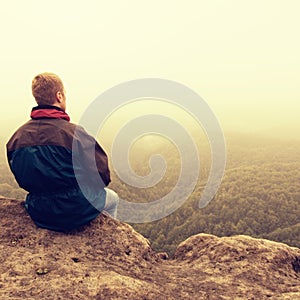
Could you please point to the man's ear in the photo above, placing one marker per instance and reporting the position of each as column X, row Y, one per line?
column 59, row 97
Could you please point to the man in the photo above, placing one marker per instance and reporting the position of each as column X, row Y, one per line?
column 62, row 167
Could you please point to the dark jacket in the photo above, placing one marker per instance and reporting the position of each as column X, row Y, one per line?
column 61, row 166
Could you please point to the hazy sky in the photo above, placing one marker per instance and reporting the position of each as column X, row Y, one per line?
column 241, row 56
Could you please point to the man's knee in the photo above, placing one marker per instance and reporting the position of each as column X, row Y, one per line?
column 112, row 198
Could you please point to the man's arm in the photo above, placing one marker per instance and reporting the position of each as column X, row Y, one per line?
column 90, row 155
column 102, row 164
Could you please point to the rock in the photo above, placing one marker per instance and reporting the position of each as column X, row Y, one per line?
column 42, row 271
column 109, row 260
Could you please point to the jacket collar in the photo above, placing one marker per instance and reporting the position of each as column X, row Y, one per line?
column 48, row 112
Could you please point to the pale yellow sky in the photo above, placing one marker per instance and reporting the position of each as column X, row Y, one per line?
column 241, row 56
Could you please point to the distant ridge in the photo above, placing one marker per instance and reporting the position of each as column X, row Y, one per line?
column 109, row 260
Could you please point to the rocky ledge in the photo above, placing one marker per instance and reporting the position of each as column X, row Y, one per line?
column 107, row 259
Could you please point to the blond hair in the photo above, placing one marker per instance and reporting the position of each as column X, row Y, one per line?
column 45, row 87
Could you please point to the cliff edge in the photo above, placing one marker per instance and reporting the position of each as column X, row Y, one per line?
column 107, row 259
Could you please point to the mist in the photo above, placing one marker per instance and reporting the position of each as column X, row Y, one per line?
column 241, row 57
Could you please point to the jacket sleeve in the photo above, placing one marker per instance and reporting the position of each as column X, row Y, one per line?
column 102, row 164
column 91, row 155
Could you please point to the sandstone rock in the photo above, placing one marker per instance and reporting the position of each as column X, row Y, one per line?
column 109, row 260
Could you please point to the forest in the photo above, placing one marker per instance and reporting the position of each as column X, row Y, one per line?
column 259, row 195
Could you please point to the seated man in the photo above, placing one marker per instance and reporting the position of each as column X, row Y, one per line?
column 53, row 160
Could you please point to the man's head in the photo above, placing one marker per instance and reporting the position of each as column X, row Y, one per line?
column 48, row 89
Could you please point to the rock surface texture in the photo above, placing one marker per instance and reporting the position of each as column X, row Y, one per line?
column 109, row 260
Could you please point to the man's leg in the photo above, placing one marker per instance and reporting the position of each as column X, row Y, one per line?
column 111, row 202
